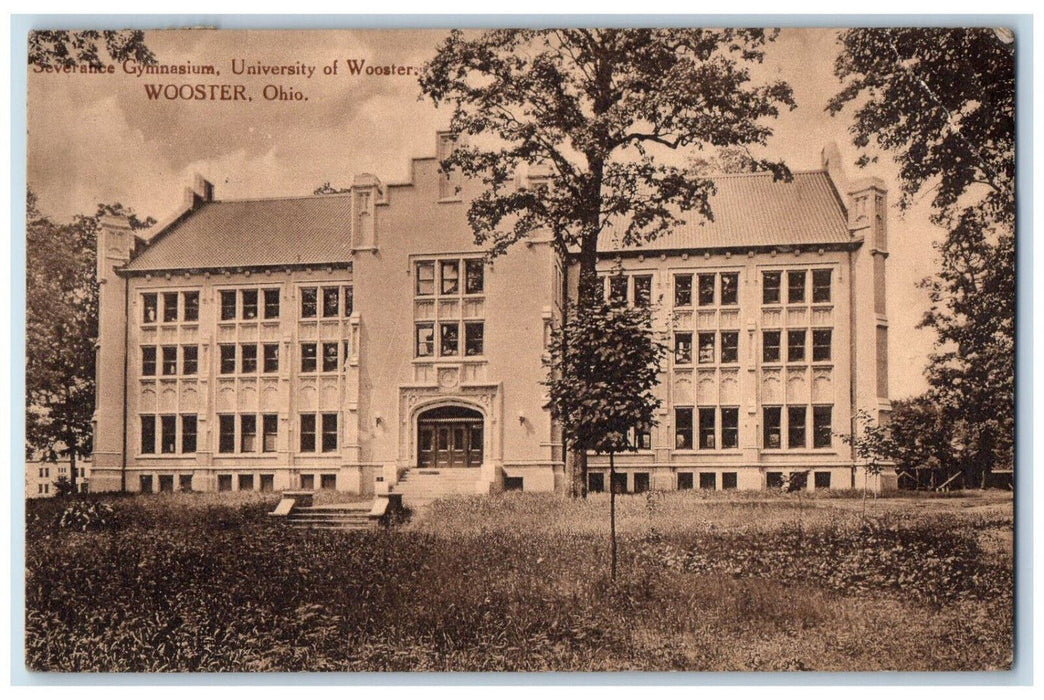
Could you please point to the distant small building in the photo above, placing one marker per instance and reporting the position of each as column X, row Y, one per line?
column 40, row 477
column 350, row 341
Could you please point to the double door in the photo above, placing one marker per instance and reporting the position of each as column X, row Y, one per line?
column 449, row 443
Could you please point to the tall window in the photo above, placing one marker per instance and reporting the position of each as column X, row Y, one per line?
column 683, row 428
column 425, row 339
column 271, row 357
column 330, row 357
column 188, row 433
column 729, row 347
column 473, row 338
column 149, row 308
column 425, row 278
column 707, row 428
column 148, row 434
column 248, row 433
column 449, row 339
column 308, row 432
column 170, row 360
column 189, row 359
column 796, row 287
column 269, row 430
column 683, row 290
column 770, row 346
column 249, row 304
column 683, row 348
column 309, row 302
column 170, row 307
column 226, row 434
column 309, row 357
column 642, row 290
column 168, row 434
column 148, row 361
column 271, row 303
column 618, row 289
column 329, row 432
column 228, row 359
column 191, row 300
column 641, row 438
column 450, row 275
column 706, row 349
column 228, row 305
column 706, row 289
column 349, row 301
column 248, row 365
column 822, row 432
column 331, row 302
column 821, row 344
column 820, row 286
column 796, row 417
column 729, row 288
column 729, row 428
column 772, row 426
column 770, row 284
column 796, row 346
column 474, row 271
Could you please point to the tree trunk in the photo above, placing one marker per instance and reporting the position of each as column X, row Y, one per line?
column 72, row 468
column 612, row 512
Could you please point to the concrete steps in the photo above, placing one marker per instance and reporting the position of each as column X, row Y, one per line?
column 421, row 486
column 340, row 516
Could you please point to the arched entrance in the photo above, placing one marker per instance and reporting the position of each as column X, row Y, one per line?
column 449, row 437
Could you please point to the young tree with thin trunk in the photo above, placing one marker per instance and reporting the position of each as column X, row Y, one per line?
column 611, row 117
column 602, row 384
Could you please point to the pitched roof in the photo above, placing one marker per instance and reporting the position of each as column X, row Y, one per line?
column 753, row 210
column 257, row 232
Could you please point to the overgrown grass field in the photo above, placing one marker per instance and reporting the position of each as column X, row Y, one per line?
column 741, row 581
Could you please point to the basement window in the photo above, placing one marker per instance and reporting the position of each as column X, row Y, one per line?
column 595, row 482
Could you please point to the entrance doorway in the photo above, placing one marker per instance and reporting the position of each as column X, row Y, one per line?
column 449, row 437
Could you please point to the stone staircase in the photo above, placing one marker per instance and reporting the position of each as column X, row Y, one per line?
column 421, row 486
column 339, row 516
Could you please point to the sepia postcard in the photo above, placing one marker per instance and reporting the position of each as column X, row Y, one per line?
column 577, row 349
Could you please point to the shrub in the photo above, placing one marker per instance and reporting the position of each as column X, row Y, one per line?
column 87, row 515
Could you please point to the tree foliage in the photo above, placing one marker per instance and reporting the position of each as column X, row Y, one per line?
column 596, row 110
column 327, row 188
column 603, row 379
column 72, row 49
column 604, row 368
column 61, row 330
column 941, row 102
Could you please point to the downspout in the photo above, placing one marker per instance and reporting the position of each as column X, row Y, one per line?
column 852, row 363
column 126, row 353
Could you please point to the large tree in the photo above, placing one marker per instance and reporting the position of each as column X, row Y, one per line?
column 600, row 113
column 941, row 102
column 597, row 109
column 71, row 49
column 61, row 331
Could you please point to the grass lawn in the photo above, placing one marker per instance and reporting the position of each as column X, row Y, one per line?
column 707, row 582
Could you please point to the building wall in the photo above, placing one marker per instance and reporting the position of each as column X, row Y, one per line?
column 207, row 393
column 379, row 383
column 424, row 221
column 749, row 382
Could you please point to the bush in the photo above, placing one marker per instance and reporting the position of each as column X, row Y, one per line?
column 87, row 515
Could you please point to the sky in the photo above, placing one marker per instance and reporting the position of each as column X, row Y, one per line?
column 100, row 138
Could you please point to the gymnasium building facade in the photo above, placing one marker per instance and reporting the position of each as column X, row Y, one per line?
column 350, row 341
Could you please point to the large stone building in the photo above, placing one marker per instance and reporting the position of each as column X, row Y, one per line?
column 360, row 342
